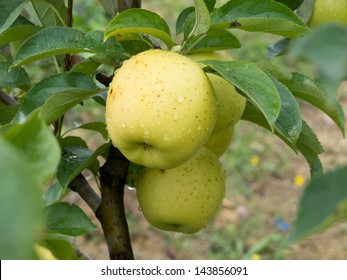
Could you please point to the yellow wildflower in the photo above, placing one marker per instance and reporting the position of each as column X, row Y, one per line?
column 255, row 160
column 299, row 180
column 256, row 257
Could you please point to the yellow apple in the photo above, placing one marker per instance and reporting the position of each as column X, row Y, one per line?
column 325, row 11
column 219, row 143
column 160, row 109
column 43, row 253
column 230, row 104
column 185, row 198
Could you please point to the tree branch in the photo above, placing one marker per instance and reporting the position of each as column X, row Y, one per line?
column 68, row 61
column 111, row 213
column 103, row 79
column 127, row 4
column 7, row 99
column 82, row 187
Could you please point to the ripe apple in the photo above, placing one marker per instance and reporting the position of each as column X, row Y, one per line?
column 230, row 104
column 160, row 109
column 185, row 198
column 325, row 11
column 43, row 253
column 219, row 143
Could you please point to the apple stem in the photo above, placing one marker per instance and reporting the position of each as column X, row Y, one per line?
column 111, row 213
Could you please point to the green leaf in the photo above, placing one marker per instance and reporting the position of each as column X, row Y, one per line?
column 254, row 83
column 62, row 101
column 62, row 40
column 210, row 4
column 41, row 13
column 7, row 113
column 72, row 141
column 309, row 145
column 289, row 121
column 95, row 126
column 330, row 58
column 74, row 160
column 47, row 87
column 54, row 193
column 60, row 10
column 68, row 219
column 324, row 202
column 47, row 13
column 39, row 145
column 293, row 4
column 308, row 90
column 87, row 66
column 110, row 6
column 139, row 21
column 17, row 78
column 202, row 18
column 133, row 171
column 9, row 12
column 21, row 29
column 195, row 26
column 263, row 16
column 2, row 57
column 188, row 27
column 136, row 46
column 20, row 204
column 278, row 48
column 304, row 12
column 61, row 246
column 307, row 142
column 181, row 19
column 216, row 40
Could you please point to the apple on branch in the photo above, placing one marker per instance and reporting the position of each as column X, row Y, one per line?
column 185, row 198
column 161, row 108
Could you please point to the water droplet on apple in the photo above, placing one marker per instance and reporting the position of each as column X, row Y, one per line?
column 180, row 98
column 175, row 117
column 139, row 209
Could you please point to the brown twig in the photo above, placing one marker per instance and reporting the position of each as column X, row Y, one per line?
column 127, row 4
column 111, row 213
column 103, row 79
column 82, row 187
column 58, row 125
column 69, row 22
column 7, row 99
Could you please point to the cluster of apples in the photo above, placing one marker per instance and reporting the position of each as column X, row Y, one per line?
column 165, row 113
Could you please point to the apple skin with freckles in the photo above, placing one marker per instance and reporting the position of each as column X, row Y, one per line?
column 230, row 104
column 220, row 142
column 328, row 11
column 161, row 108
column 182, row 199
